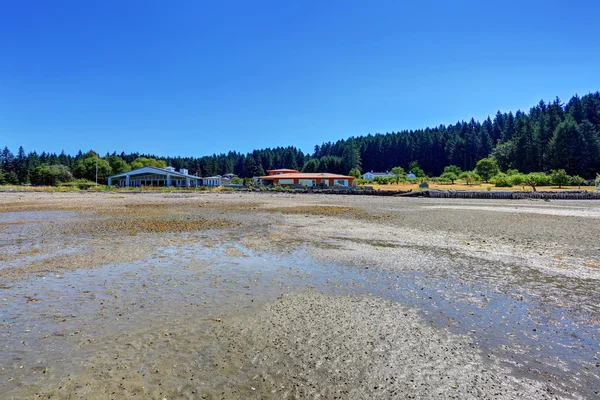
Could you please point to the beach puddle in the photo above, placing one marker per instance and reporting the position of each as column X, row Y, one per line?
column 135, row 322
column 146, row 329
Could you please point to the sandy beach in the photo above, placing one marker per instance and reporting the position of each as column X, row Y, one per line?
column 274, row 295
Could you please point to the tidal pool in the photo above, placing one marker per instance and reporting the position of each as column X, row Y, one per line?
column 154, row 328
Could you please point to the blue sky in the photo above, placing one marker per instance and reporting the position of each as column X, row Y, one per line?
column 195, row 77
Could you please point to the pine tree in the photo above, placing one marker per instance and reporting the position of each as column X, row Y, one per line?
column 21, row 165
column 6, row 159
column 564, row 150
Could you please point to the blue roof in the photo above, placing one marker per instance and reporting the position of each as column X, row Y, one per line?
column 154, row 170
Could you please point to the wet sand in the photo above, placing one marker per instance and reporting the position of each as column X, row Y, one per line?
column 230, row 295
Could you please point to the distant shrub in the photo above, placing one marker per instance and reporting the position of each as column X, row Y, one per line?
column 383, row 180
column 487, row 168
column 578, row 181
column 559, row 177
column 449, row 176
column 469, row 177
column 535, row 179
column 452, row 169
column 501, row 180
column 83, row 184
column 517, row 179
column 355, row 172
column 50, row 175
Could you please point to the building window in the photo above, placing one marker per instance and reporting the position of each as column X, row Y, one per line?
column 308, row 182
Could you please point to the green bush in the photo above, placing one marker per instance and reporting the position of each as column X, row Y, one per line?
column 449, row 176
column 401, row 175
column 517, row 179
column 9, row 178
column 452, row 169
column 487, row 168
column 355, row 172
column 578, row 181
column 413, row 166
column 501, row 180
column 469, row 177
column 559, row 177
column 83, row 184
column 535, row 179
column 50, row 175
column 384, row 180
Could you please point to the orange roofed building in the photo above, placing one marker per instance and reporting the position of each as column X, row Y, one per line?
column 282, row 171
column 288, row 177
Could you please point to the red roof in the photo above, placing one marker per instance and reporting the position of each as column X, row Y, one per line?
column 282, row 170
column 307, row 175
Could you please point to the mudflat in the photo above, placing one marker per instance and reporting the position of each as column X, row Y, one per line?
column 261, row 295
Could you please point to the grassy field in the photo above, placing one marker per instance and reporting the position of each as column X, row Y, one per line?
column 482, row 186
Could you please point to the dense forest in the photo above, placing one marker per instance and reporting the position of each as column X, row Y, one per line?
column 550, row 136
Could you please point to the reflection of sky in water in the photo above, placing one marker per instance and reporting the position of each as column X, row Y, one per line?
column 45, row 321
column 31, row 216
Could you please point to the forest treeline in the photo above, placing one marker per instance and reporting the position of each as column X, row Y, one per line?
column 550, row 136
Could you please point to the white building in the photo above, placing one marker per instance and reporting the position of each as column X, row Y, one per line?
column 373, row 175
column 157, row 177
column 154, row 176
column 212, row 181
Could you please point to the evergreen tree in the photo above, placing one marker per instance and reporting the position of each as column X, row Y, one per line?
column 6, row 159
column 311, row 165
column 21, row 165
column 527, row 141
column 351, row 157
column 565, row 147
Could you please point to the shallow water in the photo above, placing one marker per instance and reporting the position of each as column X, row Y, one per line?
column 53, row 325
column 147, row 324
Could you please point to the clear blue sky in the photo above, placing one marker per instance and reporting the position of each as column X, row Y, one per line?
column 196, row 77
